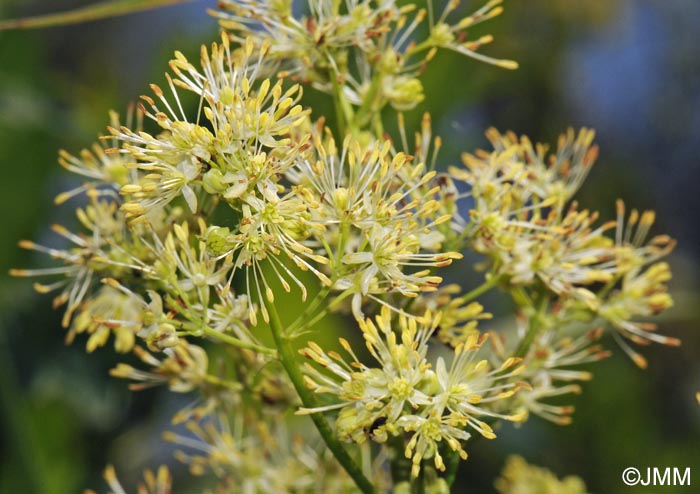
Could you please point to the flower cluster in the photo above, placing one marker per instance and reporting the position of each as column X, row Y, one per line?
column 379, row 237
column 158, row 482
column 552, row 369
column 370, row 51
column 403, row 393
column 221, row 446
column 524, row 220
column 192, row 230
column 520, row 218
column 519, row 477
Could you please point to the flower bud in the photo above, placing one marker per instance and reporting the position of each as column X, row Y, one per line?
column 340, row 198
column 404, row 93
column 441, row 35
column 391, row 62
column 213, row 182
column 403, row 488
column 165, row 336
column 439, row 486
column 218, row 240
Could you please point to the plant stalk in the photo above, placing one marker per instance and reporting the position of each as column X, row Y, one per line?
column 233, row 341
column 532, row 330
column 308, row 399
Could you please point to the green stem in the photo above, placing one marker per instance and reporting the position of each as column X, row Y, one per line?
column 460, row 242
column 215, row 381
column 371, row 104
column 328, row 308
column 310, row 308
column 343, row 110
column 452, row 467
column 491, row 282
column 102, row 10
column 418, row 484
column 233, row 341
column 520, row 297
column 425, row 45
column 378, row 125
column 400, row 465
column 533, row 329
column 339, row 118
column 609, row 286
column 308, row 399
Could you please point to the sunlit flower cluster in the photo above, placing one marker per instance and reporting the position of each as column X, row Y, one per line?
column 403, row 392
column 378, row 236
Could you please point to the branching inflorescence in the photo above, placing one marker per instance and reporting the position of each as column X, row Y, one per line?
column 195, row 222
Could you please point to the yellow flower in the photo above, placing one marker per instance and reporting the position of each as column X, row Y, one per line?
column 158, row 482
column 100, row 252
column 401, row 393
column 518, row 477
column 240, row 152
column 105, row 172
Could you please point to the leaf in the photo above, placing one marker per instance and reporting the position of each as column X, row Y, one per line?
column 109, row 8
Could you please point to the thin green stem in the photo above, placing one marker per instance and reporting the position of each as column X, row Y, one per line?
column 339, row 116
column 370, row 104
column 533, row 328
column 452, row 467
column 310, row 308
column 425, row 45
column 491, row 282
column 233, row 341
column 343, row 110
column 327, row 309
column 609, row 286
column 400, row 465
column 378, row 125
column 460, row 242
column 520, row 297
column 418, row 484
column 96, row 11
column 308, row 399
column 215, row 381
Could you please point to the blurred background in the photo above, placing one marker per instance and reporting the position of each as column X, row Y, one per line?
column 629, row 69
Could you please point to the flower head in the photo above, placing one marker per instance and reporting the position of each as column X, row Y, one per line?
column 378, row 234
column 642, row 293
column 402, row 392
column 105, row 173
column 238, row 152
column 551, row 370
column 232, row 451
column 459, row 317
column 372, row 49
column 158, row 482
column 101, row 250
column 518, row 477
column 378, row 393
column 640, row 286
